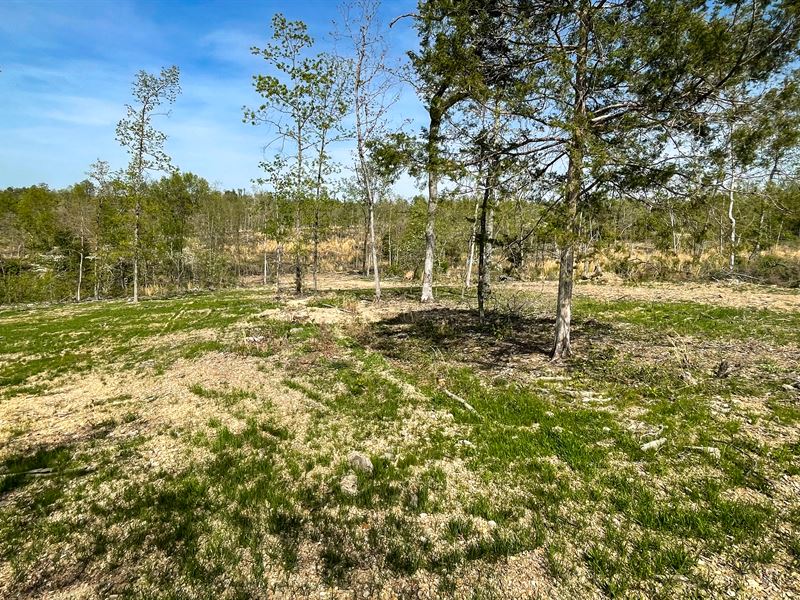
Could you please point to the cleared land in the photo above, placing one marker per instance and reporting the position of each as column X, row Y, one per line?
column 201, row 446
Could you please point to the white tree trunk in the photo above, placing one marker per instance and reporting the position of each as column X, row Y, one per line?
column 374, row 253
column 731, row 218
column 80, row 275
column 136, row 251
column 471, row 254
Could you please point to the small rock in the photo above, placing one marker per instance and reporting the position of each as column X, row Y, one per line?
column 466, row 443
column 688, row 378
column 606, row 429
column 710, row 450
column 295, row 330
column 491, row 524
column 349, row 484
column 360, row 462
column 654, row 445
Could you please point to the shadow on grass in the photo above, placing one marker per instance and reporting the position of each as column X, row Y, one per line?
column 499, row 339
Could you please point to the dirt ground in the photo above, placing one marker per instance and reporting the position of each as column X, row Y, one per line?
column 734, row 294
column 163, row 404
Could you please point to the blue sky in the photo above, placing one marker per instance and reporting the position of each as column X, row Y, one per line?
column 67, row 69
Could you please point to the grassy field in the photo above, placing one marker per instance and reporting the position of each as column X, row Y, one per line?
column 214, row 446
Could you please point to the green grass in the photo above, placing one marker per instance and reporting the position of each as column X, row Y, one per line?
column 695, row 319
column 226, row 397
column 73, row 339
column 541, row 463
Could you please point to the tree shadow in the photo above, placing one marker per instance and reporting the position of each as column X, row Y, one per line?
column 500, row 340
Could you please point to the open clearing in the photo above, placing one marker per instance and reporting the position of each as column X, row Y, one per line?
column 215, row 446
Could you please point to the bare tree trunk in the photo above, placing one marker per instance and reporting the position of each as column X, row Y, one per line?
column 80, row 273
column 298, row 266
column 760, row 233
column 675, row 247
column 566, row 275
column 485, row 243
column 317, row 198
column 265, row 245
column 97, row 267
column 265, row 264
column 433, row 200
column 137, row 213
column 471, row 254
column 561, row 346
column 96, row 270
column 374, row 253
column 315, row 257
column 365, row 247
column 278, row 266
column 731, row 218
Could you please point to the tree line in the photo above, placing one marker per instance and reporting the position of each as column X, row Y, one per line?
column 555, row 131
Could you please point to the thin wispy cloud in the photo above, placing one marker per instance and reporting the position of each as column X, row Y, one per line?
column 67, row 70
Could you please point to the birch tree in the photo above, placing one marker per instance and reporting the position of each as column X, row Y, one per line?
column 288, row 108
column 100, row 176
column 144, row 143
column 373, row 94
column 303, row 105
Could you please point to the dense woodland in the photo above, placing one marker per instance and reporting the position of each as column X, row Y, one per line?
column 646, row 139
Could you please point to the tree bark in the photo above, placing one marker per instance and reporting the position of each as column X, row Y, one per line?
column 137, row 213
column 760, row 233
column 731, row 217
column 80, row 273
column 485, row 243
column 433, row 200
column 574, row 179
column 374, row 253
column 278, row 265
column 317, row 198
column 298, row 265
column 471, row 254
column 265, row 245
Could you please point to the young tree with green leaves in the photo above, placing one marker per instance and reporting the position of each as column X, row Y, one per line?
column 100, row 176
column 445, row 66
column 332, row 105
column 144, row 143
column 77, row 212
column 291, row 102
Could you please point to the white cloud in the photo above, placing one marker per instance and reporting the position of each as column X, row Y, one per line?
column 67, row 71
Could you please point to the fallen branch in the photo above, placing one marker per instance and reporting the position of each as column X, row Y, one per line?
column 710, row 450
column 461, row 401
column 46, row 471
column 654, row 445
